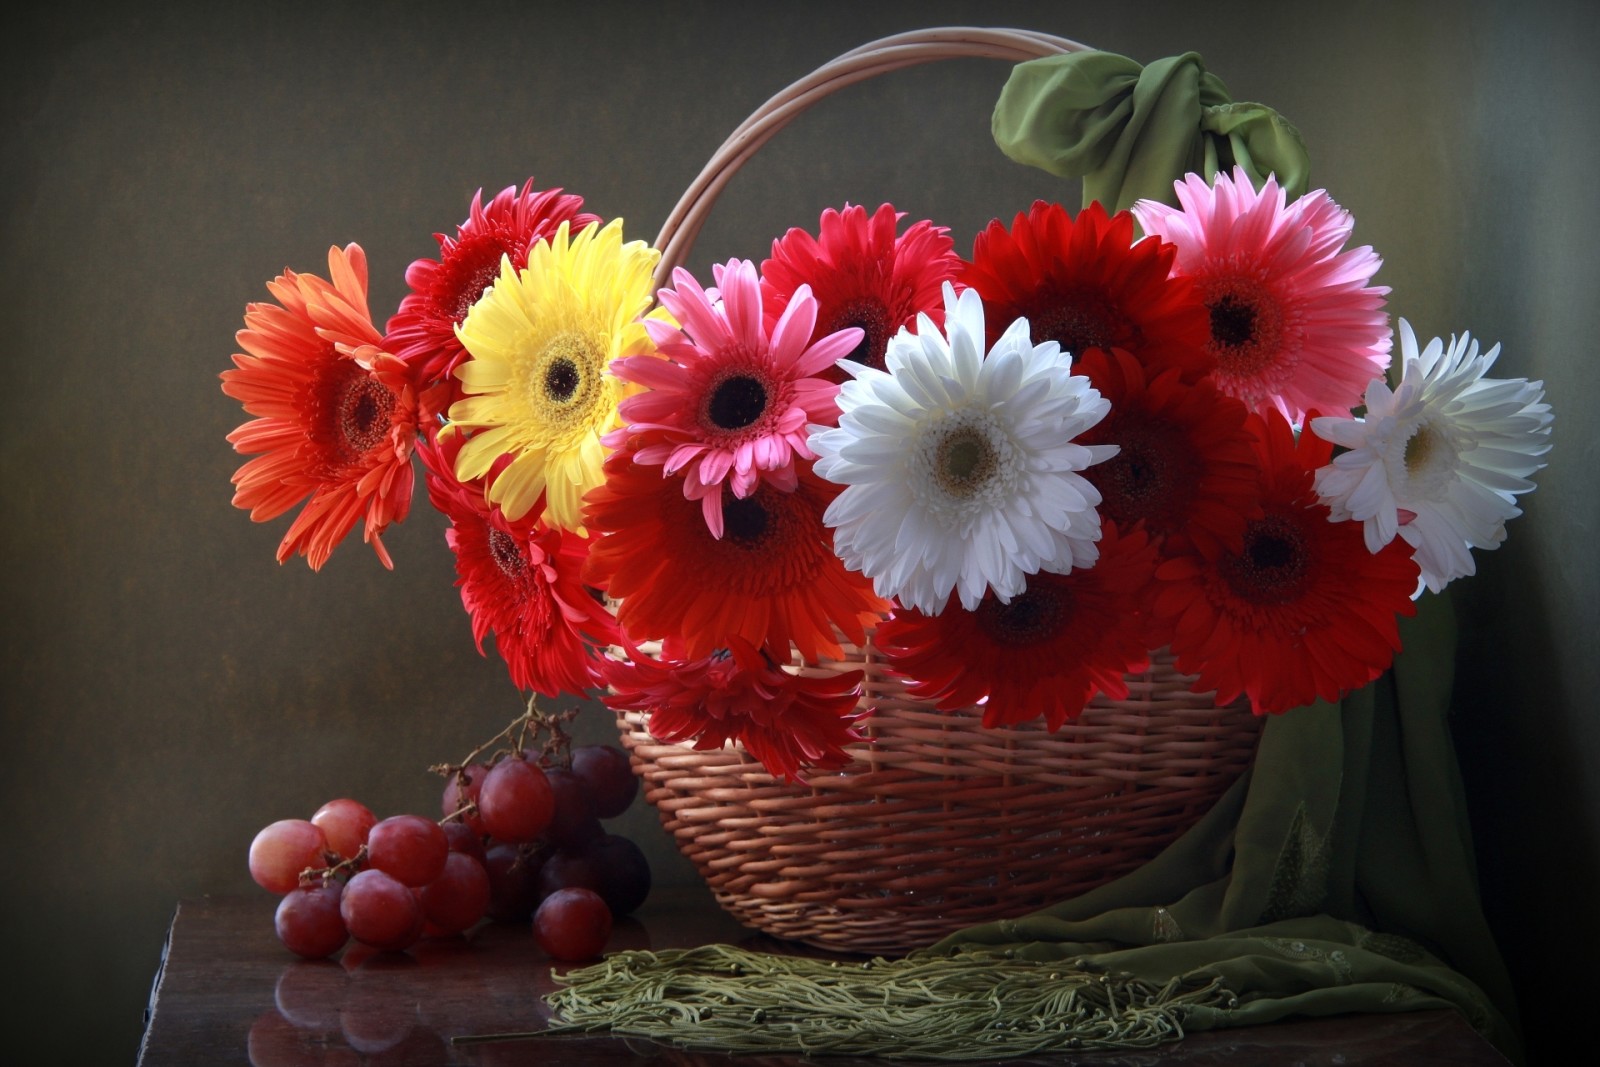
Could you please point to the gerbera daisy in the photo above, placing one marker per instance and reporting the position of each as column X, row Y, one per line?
column 728, row 403
column 961, row 470
column 1047, row 652
column 336, row 416
column 1186, row 463
column 541, row 341
column 1085, row 284
column 862, row 276
column 519, row 581
column 1302, row 610
column 1294, row 324
column 788, row 721
column 1439, row 460
column 423, row 331
column 770, row 580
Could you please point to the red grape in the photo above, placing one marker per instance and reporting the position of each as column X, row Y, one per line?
column 463, row 838
column 457, row 899
column 345, row 823
column 281, row 851
column 457, row 796
column 572, row 924
column 409, row 847
column 612, row 783
column 308, row 921
column 379, row 911
column 516, row 802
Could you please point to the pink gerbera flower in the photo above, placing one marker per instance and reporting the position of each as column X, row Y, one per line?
column 423, row 330
column 863, row 275
column 1294, row 323
column 789, row 722
column 729, row 403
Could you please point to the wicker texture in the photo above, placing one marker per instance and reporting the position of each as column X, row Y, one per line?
column 939, row 823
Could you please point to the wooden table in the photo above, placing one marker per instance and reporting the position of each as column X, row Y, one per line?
column 228, row 992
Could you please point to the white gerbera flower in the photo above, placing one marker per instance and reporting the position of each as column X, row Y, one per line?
column 1440, row 460
column 960, row 469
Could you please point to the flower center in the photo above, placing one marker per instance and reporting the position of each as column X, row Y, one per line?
column 744, row 520
column 961, row 464
column 362, row 412
column 736, row 402
column 1152, row 476
column 476, row 268
column 872, row 319
column 1031, row 618
column 1078, row 319
column 1274, row 566
column 506, row 555
column 561, row 379
column 1248, row 335
column 1430, row 458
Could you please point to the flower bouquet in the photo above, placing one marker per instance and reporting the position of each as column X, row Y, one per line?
column 869, row 543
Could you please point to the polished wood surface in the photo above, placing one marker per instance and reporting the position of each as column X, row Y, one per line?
column 228, row 993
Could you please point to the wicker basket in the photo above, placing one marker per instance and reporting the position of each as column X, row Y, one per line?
column 938, row 823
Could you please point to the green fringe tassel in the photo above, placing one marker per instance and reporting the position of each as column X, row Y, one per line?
column 956, row 1008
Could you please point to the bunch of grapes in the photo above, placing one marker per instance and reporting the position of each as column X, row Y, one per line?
column 520, row 838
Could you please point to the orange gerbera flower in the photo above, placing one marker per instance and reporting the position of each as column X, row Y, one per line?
column 771, row 580
column 336, row 416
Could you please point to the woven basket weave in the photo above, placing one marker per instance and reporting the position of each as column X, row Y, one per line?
column 938, row 823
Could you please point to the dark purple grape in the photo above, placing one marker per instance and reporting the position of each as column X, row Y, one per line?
column 457, row 796
column 569, row 869
column 612, row 783
column 463, row 838
column 572, row 925
column 308, row 921
column 513, row 881
column 622, row 870
column 575, row 823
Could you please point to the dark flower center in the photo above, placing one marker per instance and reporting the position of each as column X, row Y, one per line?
column 872, row 319
column 365, row 406
column 561, row 379
column 744, row 521
column 1077, row 320
column 1233, row 322
column 1152, row 477
column 737, row 402
column 1033, row 617
column 1274, row 566
column 506, row 555
column 474, row 266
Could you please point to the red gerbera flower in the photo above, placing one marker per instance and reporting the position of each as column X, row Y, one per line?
column 1186, row 463
column 790, row 722
column 1086, row 285
column 863, row 276
column 423, row 329
column 520, row 581
column 1301, row 610
column 1046, row 652
column 771, row 579
column 336, row 416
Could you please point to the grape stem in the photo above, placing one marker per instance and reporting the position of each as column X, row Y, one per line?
column 522, row 733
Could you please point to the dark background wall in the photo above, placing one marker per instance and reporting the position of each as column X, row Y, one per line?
column 169, row 689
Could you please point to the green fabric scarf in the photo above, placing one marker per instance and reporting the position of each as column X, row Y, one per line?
column 1129, row 131
column 1337, row 876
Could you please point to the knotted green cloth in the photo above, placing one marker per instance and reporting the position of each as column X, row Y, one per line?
column 1336, row 876
column 1129, row 131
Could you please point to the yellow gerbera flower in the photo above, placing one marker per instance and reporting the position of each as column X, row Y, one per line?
column 538, row 382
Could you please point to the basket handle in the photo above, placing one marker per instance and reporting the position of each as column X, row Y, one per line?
column 869, row 60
